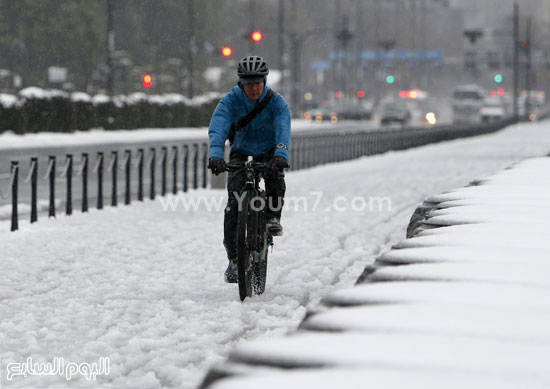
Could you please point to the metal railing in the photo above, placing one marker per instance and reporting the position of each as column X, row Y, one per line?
column 177, row 157
column 307, row 150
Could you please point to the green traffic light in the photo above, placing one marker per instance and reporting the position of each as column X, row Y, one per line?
column 390, row 79
column 498, row 78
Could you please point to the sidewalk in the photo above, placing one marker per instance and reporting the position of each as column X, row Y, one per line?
column 464, row 302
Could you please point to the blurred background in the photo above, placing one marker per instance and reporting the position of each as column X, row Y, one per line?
column 319, row 51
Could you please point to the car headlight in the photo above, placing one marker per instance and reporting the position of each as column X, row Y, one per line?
column 431, row 118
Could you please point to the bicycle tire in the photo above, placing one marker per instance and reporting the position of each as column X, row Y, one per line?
column 260, row 261
column 244, row 268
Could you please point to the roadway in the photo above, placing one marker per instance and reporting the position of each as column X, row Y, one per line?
column 107, row 142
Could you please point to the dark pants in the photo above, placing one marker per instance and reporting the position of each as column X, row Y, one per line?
column 275, row 189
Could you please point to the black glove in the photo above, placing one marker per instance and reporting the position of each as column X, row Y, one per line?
column 217, row 165
column 276, row 165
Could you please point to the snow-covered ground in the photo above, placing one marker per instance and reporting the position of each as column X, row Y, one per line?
column 470, row 309
column 142, row 285
column 9, row 140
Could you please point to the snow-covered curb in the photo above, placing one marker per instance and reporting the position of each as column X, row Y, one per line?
column 463, row 303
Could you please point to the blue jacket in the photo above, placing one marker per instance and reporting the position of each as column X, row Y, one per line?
column 269, row 128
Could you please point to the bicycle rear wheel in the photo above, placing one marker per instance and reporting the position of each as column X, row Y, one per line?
column 244, row 261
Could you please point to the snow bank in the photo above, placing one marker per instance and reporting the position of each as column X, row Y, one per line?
column 465, row 305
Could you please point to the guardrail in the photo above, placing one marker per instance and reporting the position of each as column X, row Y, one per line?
column 311, row 148
column 145, row 165
column 307, row 150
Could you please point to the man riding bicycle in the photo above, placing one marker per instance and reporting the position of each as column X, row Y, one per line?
column 263, row 132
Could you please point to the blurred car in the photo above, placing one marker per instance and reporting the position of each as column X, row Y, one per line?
column 467, row 101
column 492, row 110
column 430, row 118
column 429, row 112
column 321, row 114
column 533, row 107
column 339, row 110
column 394, row 112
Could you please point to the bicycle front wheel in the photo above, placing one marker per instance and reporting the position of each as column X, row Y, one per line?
column 244, row 262
column 260, row 260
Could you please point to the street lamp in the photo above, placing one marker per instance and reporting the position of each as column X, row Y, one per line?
column 344, row 36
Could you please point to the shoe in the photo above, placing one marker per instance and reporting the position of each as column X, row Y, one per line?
column 230, row 275
column 274, row 227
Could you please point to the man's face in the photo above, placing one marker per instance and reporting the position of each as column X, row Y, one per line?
column 253, row 90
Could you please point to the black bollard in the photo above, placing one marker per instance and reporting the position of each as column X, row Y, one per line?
column 100, row 180
column 152, row 171
column 175, row 170
column 51, row 164
column 14, row 191
column 185, row 167
column 34, row 180
column 140, row 174
column 114, row 178
column 127, row 169
column 204, row 165
column 164, row 151
column 69, row 204
column 84, row 182
column 195, row 166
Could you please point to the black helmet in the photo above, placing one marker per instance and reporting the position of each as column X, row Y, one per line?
column 252, row 66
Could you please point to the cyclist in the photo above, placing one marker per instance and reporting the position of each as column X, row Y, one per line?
column 266, row 138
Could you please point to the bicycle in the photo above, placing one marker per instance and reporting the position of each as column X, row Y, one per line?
column 253, row 238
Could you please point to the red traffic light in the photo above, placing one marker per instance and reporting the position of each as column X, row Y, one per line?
column 256, row 36
column 227, row 51
column 360, row 94
column 147, row 81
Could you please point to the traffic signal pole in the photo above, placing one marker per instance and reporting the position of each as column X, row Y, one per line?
column 295, row 62
column 281, row 41
column 110, row 47
column 190, row 60
column 516, row 62
column 528, row 67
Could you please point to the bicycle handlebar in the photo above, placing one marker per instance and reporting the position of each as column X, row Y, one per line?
column 257, row 166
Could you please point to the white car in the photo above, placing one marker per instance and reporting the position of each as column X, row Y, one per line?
column 467, row 101
column 492, row 110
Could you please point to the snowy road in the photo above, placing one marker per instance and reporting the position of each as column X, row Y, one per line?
column 143, row 287
column 22, row 147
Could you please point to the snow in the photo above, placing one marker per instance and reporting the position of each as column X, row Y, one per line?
column 137, row 97
column 7, row 100
column 34, row 93
column 98, row 136
column 470, row 298
column 81, row 97
column 170, row 98
column 393, row 349
column 144, row 286
column 495, row 296
column 100, row 99
column 376, row 377
column 9, row 140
